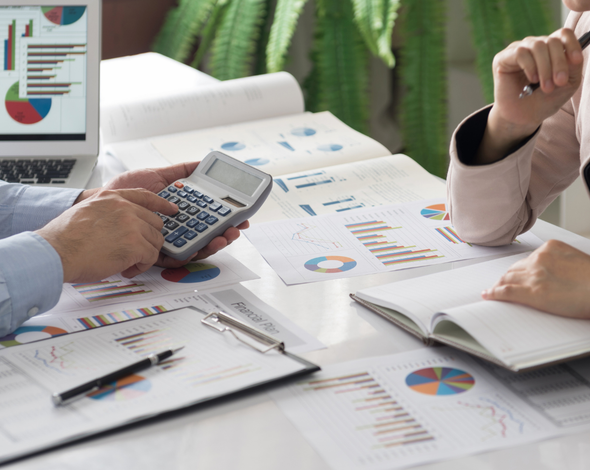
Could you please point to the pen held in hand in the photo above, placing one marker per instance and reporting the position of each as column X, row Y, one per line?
column 80, row 391
column 528, row 90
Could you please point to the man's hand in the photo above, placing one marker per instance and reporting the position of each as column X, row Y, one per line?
column 157, row 179
column 555, row 278
column 107, row 233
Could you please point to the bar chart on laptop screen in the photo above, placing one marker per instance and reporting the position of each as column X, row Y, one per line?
column 43, row 63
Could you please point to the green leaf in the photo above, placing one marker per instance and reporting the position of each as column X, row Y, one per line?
column 209, row 32
column 423, row 73
column 375, row 20
column 183, row 23
column 489, row 33
column 286, row 16
column 341, row 61
column 527, row 18
column 235, row 43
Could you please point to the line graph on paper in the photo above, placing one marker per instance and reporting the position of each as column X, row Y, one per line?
column 302, row 238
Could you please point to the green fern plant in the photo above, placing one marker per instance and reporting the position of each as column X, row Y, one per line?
column 242, row 37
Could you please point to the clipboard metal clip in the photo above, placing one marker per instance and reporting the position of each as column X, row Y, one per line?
column 223, row 322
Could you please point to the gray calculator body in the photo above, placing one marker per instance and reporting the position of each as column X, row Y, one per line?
column 221, row 193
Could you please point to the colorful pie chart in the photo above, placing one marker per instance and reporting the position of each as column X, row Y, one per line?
column 63, row 15
column 342, row 263
column 26, row 110
column 435, row 212
column 127, row 388
column 440, row 381
column 191, row 273
column 28, row 334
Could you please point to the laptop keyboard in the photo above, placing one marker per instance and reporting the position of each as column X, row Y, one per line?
column 36, row 171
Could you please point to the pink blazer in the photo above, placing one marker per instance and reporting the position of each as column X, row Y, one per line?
column 492, row 204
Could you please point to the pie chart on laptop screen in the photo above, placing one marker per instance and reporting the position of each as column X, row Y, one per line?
column 26, row 110
column 63, row 16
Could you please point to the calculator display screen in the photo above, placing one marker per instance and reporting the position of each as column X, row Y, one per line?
column 233, row 177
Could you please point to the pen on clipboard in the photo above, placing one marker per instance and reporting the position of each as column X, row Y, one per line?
column 528, row 90
column 63, row 398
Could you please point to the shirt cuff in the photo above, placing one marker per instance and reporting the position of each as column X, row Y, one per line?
column 32, row 273
column 35, row 207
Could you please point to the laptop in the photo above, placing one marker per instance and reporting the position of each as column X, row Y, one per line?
column 49, row 91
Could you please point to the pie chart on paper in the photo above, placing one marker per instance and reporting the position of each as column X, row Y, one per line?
column 440, row 381
column 191, row 273
column 28, row 334
column 435, row 212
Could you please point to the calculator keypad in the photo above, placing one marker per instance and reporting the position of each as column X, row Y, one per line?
column 192, row 219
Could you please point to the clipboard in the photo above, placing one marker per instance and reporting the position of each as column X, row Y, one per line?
column 211, row 369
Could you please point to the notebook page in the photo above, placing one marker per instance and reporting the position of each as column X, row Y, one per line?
column 223, row 103
column 517, row 334
column 420, row 298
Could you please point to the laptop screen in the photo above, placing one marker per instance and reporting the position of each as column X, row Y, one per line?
column 43, row 73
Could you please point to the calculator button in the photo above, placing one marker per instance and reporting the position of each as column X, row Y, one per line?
column 179, row 232
column 192, row 199
column 207, row 199
column 183, row 205
column 192, row 210
column 171, row 225
column 191, row 223
column 182, row 194
column 174, row 199
column 179, row 185
column 202, row 204
column 215, row 206
column 190, row 235
column 164, row 194
column 164, row 218
column 182, row 218
column 180, row 242
column 201, row 227
column 164, row 232
column 188, row 189
column 203, row 215
column 197, row 194
column 224, row 211
column 211, row 220
column 172, row 189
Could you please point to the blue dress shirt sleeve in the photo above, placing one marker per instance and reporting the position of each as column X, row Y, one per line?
column 31, row 273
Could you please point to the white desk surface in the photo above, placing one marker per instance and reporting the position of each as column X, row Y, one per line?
column 250, row 432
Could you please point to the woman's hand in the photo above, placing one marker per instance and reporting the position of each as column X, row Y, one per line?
column 555, row 62
column 555, row 278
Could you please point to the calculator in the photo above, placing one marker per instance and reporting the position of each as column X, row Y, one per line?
column 221, row 193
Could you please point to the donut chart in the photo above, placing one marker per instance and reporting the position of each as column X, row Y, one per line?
column 124, row 389
column 28, row 334
column 435, row 212
column 26, row 110
column 191, row 273
column 314, row 264
column 63, row 16
column 440, row 381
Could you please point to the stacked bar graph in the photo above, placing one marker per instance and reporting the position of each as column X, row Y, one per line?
column 370, row 419
column 449, row 234
column 49, row 68
column 373, row 235
column 107, row 290
column 96, row 321
column 145, row 343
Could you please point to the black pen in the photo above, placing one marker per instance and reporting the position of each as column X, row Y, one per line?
column 72, row 394
column 528, row 90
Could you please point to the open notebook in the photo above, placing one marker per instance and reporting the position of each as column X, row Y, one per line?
column 446, row 307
